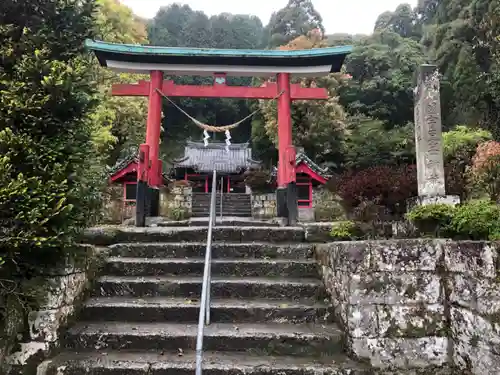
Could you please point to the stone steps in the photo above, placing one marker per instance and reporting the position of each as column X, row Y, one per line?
column 235, row 213
column 262, row 339
column 269, row 311
column 226, row 221
column 271, row 234
column 229, row 198
column 223, row 287
column 159, row 363
column 226, row 211
column 220, row 250
column 122, row 266
column 239, row 205
column 232, row 203
column 164, row 309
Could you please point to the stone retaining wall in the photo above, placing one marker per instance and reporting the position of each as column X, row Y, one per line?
column 474, row 303
column 62, row 291
column 417, row 304
column 264, row 206
column 179, row 199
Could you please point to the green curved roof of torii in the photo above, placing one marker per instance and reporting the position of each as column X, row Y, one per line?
column 135, row 58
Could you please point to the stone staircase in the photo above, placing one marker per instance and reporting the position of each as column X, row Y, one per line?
column 269, row 311
column 233, row 204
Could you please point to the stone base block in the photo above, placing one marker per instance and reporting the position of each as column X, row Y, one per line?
column 306, row 214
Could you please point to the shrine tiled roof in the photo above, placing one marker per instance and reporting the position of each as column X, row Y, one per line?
column 301, row 157
column 132, row 156
column 214, row 156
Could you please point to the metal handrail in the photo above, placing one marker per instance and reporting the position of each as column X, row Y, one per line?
column 221, row 196
column 204, row 317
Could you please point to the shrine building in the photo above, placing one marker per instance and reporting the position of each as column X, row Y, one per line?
column 195, row 168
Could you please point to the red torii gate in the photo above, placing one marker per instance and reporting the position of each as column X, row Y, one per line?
column 219, row 89
column 218, row 63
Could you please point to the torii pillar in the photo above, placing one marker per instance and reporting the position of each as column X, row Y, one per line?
column 286, row 194
column 153, row 128
column 149, row 176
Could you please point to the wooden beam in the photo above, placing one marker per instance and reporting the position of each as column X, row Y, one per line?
column 131, row 89
column 267, row 91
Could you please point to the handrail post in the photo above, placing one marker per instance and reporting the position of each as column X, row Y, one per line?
column 204, row 317
column 221, row 195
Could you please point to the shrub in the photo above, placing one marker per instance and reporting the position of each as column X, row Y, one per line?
column 178, row 214
column 459, row 147
column 485, row 171
column 432, row 219
column 344, row 231
column 463, row 141
column 51, row 176
column 473, row 220
column 388, row 187
column 476, row 220
column 260, row 181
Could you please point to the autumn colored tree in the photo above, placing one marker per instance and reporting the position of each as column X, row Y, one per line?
column 486, row 169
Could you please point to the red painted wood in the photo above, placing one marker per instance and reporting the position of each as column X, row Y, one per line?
column 305, row 181
column 267, row 91
column 140, row 88
column 307, row 93
column 153, row 127
column 304, row 168
column 284, row 129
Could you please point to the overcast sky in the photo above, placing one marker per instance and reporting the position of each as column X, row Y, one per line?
column 339, row 16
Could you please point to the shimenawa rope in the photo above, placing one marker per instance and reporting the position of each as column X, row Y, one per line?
column 213, row 128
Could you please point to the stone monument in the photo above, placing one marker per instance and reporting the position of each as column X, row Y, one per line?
column 429, row 140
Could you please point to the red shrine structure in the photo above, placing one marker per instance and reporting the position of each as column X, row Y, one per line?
column 219, row 63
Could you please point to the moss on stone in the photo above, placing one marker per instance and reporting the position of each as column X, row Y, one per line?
column 411, row 291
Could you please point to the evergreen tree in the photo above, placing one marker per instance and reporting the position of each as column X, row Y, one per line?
column 382, row 67
column 296, row 19
column 120, row 121
column 49, row 169
column 461, row 37
column 403, row 21
column 197, row 30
